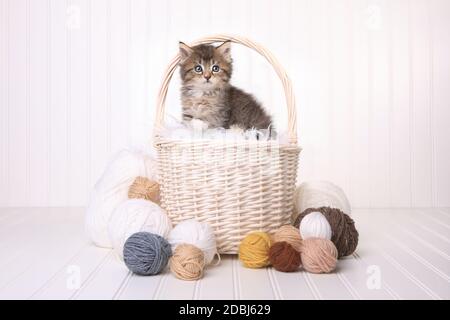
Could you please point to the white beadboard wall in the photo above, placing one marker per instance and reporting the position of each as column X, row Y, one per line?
column 372, row 81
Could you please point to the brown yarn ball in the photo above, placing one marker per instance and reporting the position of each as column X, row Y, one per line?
column 144, row 188
column 344, row 234
column 319, row 255
column 284, row 257
column 187, row 262
column 290, row 234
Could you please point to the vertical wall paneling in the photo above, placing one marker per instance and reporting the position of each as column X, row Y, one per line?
column 378, row 122
column 262, row 75
column 38, row 103
column 340, row 60
column 300, row 71
column 77, row 125
column 400, row 143
column 100, row 126
column 18, row 144
column 420, row 90
column 58, row 108
column 79, row 79
column 139, row 12
column 364, row 18
column 319, row 76
column 439, row 21
column 118, row 74
column 4, row 111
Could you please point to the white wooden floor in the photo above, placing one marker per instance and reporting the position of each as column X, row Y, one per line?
column 43, row 250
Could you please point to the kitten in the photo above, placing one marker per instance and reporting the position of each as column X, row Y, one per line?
column 206, row 92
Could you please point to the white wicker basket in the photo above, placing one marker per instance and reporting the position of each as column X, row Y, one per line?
column 237, row 187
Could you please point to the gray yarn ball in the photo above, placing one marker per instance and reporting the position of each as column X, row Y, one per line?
column 146, row 253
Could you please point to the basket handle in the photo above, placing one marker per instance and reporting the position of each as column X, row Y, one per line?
column 287, row 85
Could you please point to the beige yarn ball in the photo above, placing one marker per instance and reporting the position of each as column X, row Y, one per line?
column 187, row 262
column 289, row 234
column 319, row 255
column 144, row 188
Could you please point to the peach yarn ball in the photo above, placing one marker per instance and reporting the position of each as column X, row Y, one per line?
column 319, row 255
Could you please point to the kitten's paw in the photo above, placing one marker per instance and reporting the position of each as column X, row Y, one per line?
column 235, row 128
column 197, row 125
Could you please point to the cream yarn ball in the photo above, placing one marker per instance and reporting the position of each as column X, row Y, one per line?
column 133, row 216
column 316, row 194
column 112, row 189
column 199, row 234
column 315, row 225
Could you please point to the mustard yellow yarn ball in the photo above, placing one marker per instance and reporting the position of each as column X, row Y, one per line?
column 254, row 250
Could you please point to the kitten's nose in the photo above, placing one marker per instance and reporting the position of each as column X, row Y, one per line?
column 207, row 75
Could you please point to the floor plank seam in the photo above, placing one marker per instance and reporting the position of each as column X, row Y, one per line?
column 122, row 286
column 159, row 287
column 196, row 293
column 236, row 280
column 411, row 277
column 420, row 259
column 91, row 275
column 62, row 269
column 384, row 285
column 437, row 221
column 427, row 244
column 312, row 286
column 431, row 231
column 343, row 279
column 444, row 212
column 274, row 284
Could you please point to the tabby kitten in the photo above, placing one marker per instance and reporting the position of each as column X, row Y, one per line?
column 206, row 92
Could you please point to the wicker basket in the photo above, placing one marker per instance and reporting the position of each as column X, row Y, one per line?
column 237, row 187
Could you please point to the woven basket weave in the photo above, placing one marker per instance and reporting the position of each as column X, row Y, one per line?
column 237, row 187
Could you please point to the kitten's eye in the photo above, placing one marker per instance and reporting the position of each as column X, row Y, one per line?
column 215, row 68
column 198, row 68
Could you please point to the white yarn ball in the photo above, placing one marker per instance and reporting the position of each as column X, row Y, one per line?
column 136, row 215
column 112, row 189
column 315, row 225
column 316, row 194
column 199, row 234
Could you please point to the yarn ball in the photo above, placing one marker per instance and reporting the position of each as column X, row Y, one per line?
column 146, row 253
column 254, row 250
column 136, row 215
column 315, row 194
column 319, row 255
column 199, row 234
column 344, row 234
column 112, row 189
column 289, row 234
column 284, row 257
column 144, row 188
column 187, row 262
column 315, row 225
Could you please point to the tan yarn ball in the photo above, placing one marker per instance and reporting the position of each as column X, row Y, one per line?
column 319, row 255
column 289, row 234
column 187, row 262
column 144, row 188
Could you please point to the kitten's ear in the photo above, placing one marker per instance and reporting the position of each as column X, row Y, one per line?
column 185, row 51
column 225, row 50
